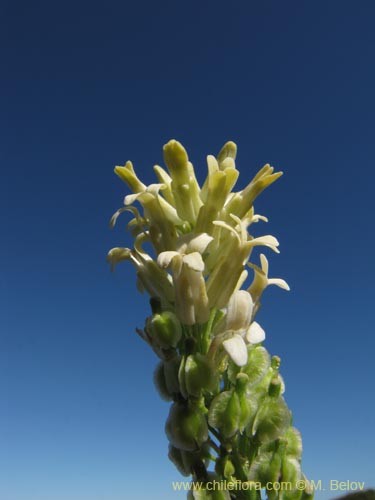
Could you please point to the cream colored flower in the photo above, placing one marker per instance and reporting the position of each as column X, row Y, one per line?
column 236, row 348
column 187, row 268
column 255, row 334
column 261, row 280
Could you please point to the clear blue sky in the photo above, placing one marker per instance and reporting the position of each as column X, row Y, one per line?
column 86, row 86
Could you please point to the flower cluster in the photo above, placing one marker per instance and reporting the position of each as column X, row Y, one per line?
column 221, row 380
column 201, row 242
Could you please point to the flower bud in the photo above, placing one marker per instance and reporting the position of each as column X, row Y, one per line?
column 186, row 427
column 165, row 329
column 275, row 387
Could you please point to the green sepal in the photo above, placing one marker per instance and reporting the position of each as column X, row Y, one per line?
column 291, row 470
column 186, row 427
column 257, row 366
column 184, row 460
column 294, row 443
column 271, row 421
column 225, row 412
column 205, row 494
column 160, row 383
column 199, row 375
column 224, row 467
column 171, row 369
column 266, row 468
column 166, row 378
column 165, row 329
column 275, row 387
column 308, row 492
column 175, row 456
column 181, row 377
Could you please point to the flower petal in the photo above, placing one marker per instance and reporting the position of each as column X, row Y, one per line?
column 194, row 261
column 255, row 334
column 239, row 311
column 268, row 241
column 165, row 258
column 236, row 349
column 280, row 283
column 199, row 243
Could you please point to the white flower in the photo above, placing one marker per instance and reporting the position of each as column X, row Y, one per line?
column 187, row 267
column 236, row 349
column 239, row 311
column 228, row 256
column 255, row 334
column 261, row 280
column 235, row 325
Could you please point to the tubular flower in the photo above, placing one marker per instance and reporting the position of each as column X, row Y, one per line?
column 261, row 280
column 187, row 268
column 238, row 329
column 199, row 235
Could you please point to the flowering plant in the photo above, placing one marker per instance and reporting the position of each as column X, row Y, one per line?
column 226, row 391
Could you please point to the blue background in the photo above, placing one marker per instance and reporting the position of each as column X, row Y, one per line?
column 86, row 86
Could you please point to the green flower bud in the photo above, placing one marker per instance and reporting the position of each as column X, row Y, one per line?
column 275, row 387
column 275, row 363
column 186, row 427
column 229, row 150
column 199, row 375
column 225, row 413
column 184, row 186
column 165, row 329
